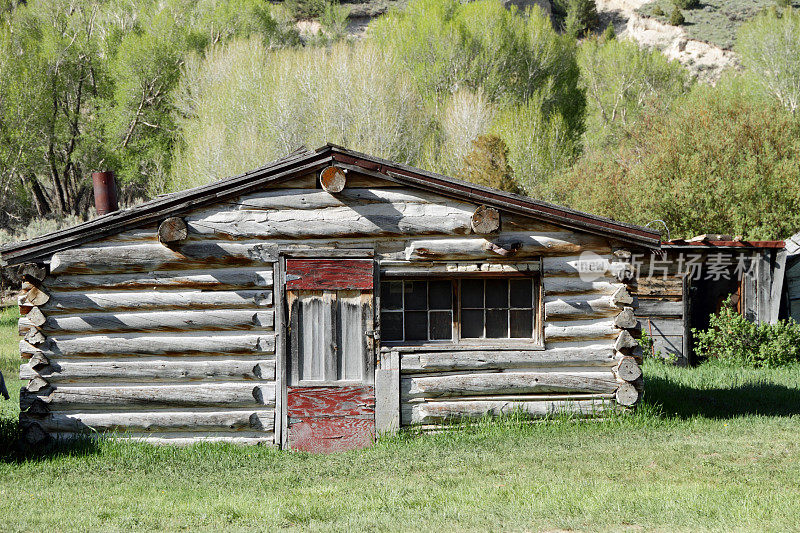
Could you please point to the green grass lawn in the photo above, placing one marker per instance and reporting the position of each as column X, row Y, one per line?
column 715, row 21
column 712, row 448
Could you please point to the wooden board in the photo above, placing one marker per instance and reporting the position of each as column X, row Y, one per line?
column 330, row 419
column 319, row 274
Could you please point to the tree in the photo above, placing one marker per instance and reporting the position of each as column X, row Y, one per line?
column 621, row 81
column 487, row 164
column 769, row 45
column 717, row 162
column 241, row 106
column 481, row 46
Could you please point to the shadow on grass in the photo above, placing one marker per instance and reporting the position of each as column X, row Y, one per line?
column 756, row 399
column 14, row 449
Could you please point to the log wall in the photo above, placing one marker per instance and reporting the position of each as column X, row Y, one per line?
column 177, row 343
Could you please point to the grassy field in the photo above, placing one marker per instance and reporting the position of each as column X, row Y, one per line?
column 715, row 21
column 712, row 448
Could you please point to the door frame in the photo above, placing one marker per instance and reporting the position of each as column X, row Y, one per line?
column 282, row 323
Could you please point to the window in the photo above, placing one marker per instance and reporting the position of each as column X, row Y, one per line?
column 451, row 310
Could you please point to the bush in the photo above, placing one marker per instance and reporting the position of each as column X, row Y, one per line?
column 686, row 4
column 580, row 16
column 733, row 339
column 676, row 19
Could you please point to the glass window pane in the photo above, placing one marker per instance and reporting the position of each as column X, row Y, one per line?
column 521, row 324
column 472, row 323
column 472, row 293
column 416, row 295
column 496, row 324
column 440, row 294
column 441, row 323
column 391, row 294
column 496, row 293
column 392, row 326
column 521, row 293
column 416, row 327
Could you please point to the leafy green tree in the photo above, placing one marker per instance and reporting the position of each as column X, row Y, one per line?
column 717, row 162
column 769, row 45
column 53, row 78
column 482, row 46
column 579, row 17
column 622, row 81
column 487, row 164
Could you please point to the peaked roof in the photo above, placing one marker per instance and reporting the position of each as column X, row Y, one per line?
column 306, row 161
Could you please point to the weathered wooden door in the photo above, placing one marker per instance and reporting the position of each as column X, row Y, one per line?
column 331, row 394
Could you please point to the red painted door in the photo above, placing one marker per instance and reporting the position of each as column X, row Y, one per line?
column 330, row 396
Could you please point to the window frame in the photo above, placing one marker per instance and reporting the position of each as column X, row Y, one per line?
column 536, row 341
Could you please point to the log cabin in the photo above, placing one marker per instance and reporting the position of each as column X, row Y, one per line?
column 323, row 300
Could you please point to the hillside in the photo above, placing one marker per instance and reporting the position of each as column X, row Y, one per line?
column 703, row 44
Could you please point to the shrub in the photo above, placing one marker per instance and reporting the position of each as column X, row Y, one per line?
column 580, row 16
column 306, row 9
column 676, row 19
column 657, row 11
column 733, row 339
column 686, row 4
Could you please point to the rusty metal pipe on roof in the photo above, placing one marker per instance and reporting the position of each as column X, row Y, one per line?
column 105, row 192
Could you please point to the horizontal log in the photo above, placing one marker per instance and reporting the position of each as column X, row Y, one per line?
column 580, row 330
column 516, row 245
column 450, row 268
column 244, row 438
column 594, row 268
column 371, row 219
column 350, row 196
column 660, row 286
column 597, row 355
column 560, row 286
column 137, row 344
column 561, row 307
column 193, row 421
column 70, row 302
column 152, row 321
column 507, row 383
column 147, row 257
column 126, row 396
column 650, row 307
column 151, row 370
column 220, row 279
column 435, row 412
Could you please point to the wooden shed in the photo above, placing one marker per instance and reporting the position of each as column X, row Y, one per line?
column 323, row 299
column 689, row 280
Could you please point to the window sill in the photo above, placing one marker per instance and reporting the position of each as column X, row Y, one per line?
column 489, row 344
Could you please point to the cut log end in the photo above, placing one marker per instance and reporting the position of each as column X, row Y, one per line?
column 485, row 220
column 627, row 395
column 33, row 272
column 332, row 179
column 628, row 370
column 626, row 319
column 173, row 230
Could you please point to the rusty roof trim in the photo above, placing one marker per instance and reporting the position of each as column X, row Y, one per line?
column 304, row 160
column 707, row 245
